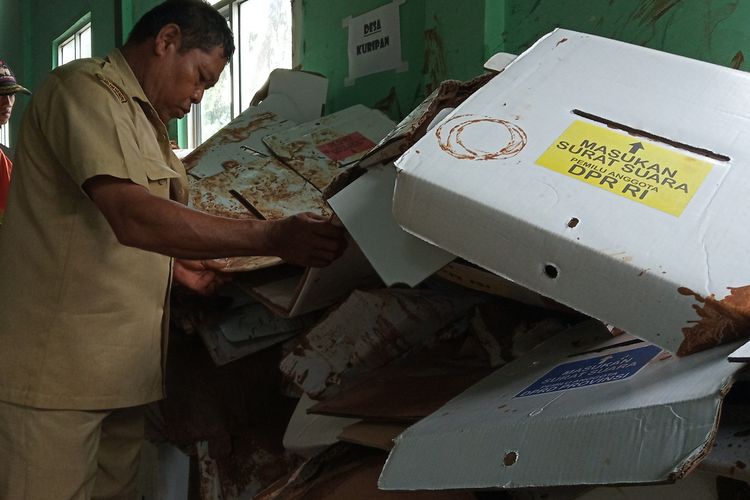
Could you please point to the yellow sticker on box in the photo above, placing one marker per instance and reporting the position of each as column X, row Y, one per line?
column 637, row 169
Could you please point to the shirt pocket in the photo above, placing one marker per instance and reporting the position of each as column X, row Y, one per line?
column 158, row 175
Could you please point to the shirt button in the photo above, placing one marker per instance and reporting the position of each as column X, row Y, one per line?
column 162, row 181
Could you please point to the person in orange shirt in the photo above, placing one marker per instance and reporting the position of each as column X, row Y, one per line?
column 8, row 89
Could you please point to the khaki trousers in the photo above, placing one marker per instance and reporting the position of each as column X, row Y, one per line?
column 69, row 454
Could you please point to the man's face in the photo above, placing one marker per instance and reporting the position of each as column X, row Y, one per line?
column 6, row 107
column 182, row 78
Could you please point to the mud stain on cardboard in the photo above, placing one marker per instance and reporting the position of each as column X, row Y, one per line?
column 461, row 135
column 720, row 321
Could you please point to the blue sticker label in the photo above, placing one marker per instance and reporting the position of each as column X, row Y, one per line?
column 592, row 371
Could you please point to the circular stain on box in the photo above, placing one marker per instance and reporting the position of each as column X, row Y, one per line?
column 472, row 137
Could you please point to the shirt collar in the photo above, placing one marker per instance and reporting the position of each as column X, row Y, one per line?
column 120, row 71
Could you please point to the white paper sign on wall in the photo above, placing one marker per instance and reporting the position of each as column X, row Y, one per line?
column 375, row 42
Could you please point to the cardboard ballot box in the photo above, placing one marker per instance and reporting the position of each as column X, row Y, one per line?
column 609, row 177
column 582, row 408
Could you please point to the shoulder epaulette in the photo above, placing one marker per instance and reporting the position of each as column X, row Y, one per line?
column 112, row 86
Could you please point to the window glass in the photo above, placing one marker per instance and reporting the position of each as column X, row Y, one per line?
column 263, row 39
column 67, row 52
column 77, row 46
column 265, row 43
column 216, row 107
column 85, row 45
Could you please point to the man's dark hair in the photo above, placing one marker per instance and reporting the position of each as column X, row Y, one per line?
column 202, row 26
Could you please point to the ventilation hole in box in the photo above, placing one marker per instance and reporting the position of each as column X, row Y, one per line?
column 510, row 458
column 551, row 271
column 573, row 222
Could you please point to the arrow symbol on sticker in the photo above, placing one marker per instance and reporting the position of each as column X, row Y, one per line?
column 635, row 147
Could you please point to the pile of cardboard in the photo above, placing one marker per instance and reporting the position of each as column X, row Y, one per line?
column 543, row 289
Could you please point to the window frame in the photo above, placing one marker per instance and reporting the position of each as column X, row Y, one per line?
column 73, row 35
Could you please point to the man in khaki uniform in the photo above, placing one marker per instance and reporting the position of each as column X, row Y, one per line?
column 95, row 215
column 9, row 87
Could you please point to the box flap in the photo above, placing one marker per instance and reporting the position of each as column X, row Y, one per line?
column 365, row 209
column 499, row 61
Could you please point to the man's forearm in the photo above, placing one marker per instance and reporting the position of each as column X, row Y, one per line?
column 144, row 221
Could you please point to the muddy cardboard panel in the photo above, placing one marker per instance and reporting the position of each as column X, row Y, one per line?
column 369, row 330
column 214, row 195
column 321, row 149
column 582, row 408
column 603, row 175
column 272, row 189
column 254, row 186
column 292, row 97
column 244, row 134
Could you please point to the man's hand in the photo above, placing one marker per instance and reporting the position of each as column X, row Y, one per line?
column 307, row 239
column 198, row 277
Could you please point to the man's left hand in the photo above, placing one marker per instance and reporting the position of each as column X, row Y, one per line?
column 198, row 277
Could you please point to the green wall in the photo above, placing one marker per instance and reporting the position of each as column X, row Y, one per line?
column 29, row 29
column 11, row 41
column 716, row 31
column 440, row 38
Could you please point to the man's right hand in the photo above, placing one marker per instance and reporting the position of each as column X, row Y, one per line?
column 307, row 239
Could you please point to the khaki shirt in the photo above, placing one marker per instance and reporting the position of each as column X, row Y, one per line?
column 83, row 317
